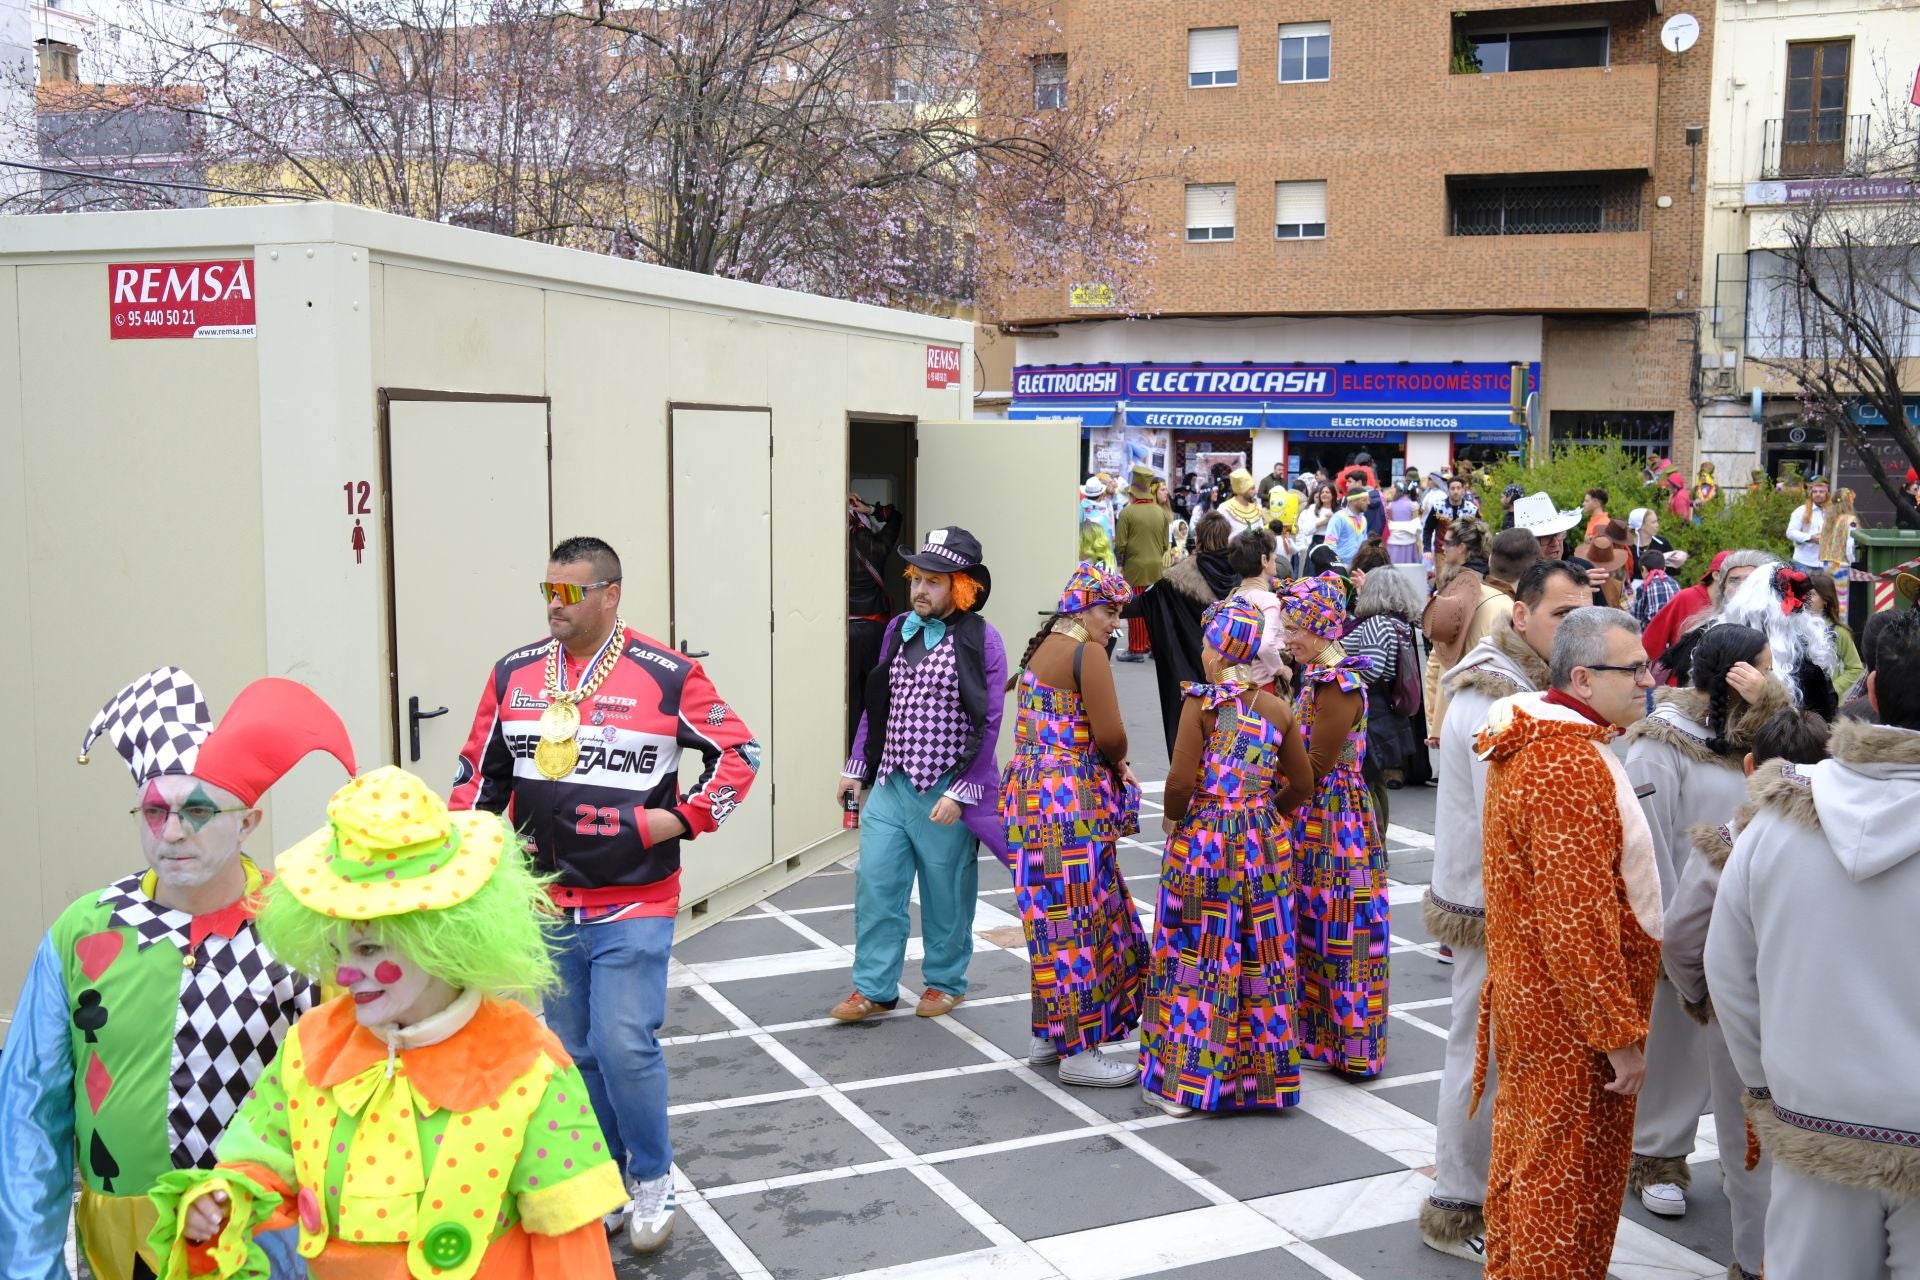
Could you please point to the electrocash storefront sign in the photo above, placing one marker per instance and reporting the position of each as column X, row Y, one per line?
column 1316, row 401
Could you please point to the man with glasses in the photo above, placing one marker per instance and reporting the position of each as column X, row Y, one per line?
column 1573, row 943
column 581, row 734
column 151, row 1006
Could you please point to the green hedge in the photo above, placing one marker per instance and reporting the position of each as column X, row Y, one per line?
column 1738, row 521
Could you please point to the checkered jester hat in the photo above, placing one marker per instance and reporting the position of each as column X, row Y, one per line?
column 160, row 725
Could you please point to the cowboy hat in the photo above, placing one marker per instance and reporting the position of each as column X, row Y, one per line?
column 1095, row 487
column 1537, row 515
column 952, row 550
column 1606, row 548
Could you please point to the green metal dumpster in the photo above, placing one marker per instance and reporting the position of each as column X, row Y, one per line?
column 1882, row 549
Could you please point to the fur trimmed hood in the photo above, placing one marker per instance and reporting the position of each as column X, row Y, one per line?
column 1191, row 578
column 1499, row 666
column 1860, row 799
column 1684, row 724
column 1714, row 843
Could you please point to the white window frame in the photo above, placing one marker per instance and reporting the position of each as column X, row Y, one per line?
column 1209, row 66
column 1300, row 227
column 1053, row 88
column 1303, row 32
column 1528, row 28
column 1212, row 230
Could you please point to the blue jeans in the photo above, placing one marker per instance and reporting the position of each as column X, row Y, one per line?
column 899, row 839
column 607, row 1012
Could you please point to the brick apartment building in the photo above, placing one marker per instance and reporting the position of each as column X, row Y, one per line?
column 1387, row 204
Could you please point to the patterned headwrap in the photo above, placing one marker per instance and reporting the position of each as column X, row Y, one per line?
column 1093, row 584
column 1315, row 605
column 1232, row 628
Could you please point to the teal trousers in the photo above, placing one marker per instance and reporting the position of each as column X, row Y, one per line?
column 898, row 841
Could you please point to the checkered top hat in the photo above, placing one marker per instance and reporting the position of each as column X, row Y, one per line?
column 160, row 725
column 952, row 550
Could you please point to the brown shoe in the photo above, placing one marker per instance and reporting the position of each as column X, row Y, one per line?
column 935, row 1003
column 857, row 1008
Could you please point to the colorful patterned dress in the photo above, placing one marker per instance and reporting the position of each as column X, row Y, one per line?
column 1061, row 809
column 1341, row 887
column 1219, row 1031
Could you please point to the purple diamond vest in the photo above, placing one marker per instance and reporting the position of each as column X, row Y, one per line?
column 926, row 725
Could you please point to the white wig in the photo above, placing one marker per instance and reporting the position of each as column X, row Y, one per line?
column 1794, row 637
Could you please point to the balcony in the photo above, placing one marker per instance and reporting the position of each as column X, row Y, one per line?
column 1826, row 145
column 1522, row 121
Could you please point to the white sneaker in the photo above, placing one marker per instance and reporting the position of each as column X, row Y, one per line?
column 1095, row 1070
column 1473, row 1248
column 617, row 1220
column 1040, row 1051
column 650, row 1216
column 1665, row 1199
column 1174, row 1109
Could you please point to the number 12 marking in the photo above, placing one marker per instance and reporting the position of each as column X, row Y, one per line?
column 358, row 492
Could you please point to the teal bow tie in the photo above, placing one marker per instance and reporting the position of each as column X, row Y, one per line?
column 936, row 629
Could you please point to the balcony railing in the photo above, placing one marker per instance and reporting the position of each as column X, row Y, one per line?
column 1571, row 204
column 1822, row 145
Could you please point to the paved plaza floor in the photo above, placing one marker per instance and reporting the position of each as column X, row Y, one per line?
column 909, row 1147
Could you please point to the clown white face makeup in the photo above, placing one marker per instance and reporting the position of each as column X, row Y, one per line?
column 191, row 832
column 387, row 986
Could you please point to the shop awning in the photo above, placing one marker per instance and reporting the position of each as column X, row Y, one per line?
column 1196, row 417
column 1367, row 422
column 1089, row 415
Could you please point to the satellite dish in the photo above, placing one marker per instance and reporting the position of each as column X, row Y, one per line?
column 1680, row 32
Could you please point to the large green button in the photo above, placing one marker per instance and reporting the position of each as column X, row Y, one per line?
column 447, row 1245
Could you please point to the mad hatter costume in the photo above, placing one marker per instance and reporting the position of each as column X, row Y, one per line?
column 1065, row 810
column 925, row 749
column 142, row 1027
column 423, row 1124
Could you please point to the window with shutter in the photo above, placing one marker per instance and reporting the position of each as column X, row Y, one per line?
column 1210, row 211
column 1305, row 51
column 1213, row 57
column 1300, row 210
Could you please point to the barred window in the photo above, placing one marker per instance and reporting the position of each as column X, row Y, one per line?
column 1544, row 204
column 1643, row 434
column 1050, row 82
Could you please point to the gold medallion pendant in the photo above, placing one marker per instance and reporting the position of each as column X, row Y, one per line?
column 560, row 721
column 555, row 760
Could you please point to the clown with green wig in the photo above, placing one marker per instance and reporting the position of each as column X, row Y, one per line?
column 422, row 1124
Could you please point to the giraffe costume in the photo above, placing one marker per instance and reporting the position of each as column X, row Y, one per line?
column 1573, row 929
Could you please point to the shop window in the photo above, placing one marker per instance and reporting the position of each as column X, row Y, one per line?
column 1210, row 211
column 1050, row 82
column 1646, row 435
column 1300, row 210
column 1544, row 204
column 1493, row 52
column 1305, row 51
column 1213, row 57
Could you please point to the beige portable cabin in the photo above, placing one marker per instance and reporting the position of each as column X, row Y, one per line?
column 352, row 474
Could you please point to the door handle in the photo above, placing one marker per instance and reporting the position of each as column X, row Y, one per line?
column 414, row 716
column 685, row 652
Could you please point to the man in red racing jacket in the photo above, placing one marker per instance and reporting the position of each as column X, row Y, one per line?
column 610, row 828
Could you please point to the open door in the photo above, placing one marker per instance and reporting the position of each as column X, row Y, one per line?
column 723, row 612
column 464, row 587
column 1011, row 484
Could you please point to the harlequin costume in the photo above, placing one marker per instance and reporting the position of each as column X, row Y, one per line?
column 141, row 1028
column 1064, row 813
column 1219, row 1029
column 1813, row 937
column 1340, row 859
column 1573, row 941
column 462, row 1145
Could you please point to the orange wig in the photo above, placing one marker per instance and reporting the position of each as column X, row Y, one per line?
column 966, row 590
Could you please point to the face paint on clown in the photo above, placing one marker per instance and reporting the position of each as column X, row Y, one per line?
column 191, row 833
column 389, row 988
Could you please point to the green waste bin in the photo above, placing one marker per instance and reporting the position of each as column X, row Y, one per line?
column 1881, row 549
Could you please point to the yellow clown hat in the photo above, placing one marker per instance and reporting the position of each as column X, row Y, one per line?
column 390, row 847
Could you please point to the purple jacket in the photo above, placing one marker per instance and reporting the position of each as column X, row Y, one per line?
column 977, row 787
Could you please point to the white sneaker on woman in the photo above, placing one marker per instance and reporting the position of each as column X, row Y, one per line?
column 1041, row 1051
column 1095, row 1070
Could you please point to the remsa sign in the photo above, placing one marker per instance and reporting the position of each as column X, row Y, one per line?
column 181, row 299
column 943, row 368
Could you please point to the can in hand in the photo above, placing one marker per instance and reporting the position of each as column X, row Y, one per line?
column 850, row 820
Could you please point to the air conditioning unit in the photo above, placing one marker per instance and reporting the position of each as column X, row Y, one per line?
column 1717, row 381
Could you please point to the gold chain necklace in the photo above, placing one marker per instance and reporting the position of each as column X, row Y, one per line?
column 558, row 750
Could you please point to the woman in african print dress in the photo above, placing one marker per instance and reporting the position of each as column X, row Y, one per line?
column 1064, row 809
column 1340, row 858
column 1218, row 1034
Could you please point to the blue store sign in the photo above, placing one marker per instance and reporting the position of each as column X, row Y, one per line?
column 1381, row 402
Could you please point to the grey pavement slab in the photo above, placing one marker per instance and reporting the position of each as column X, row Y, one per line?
column 1007, row 1026
column 709, row 1070
column 847, row 1225
column 1410, row 1049
column 1393, row 1253
column 1421, row 1099
column 964, row 1111
column 771, row 1140
column 732, row 939
column 789, row 997
column 831, row 887
column 989, row 973
column 1021, row 1188
column 690, row 1014
column 1264, row 1264
column 688, row 1255
column 879, row 1047
column 1708, row 1225
column 838, row 924
column 1265, row 1153
column 1414, row 976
